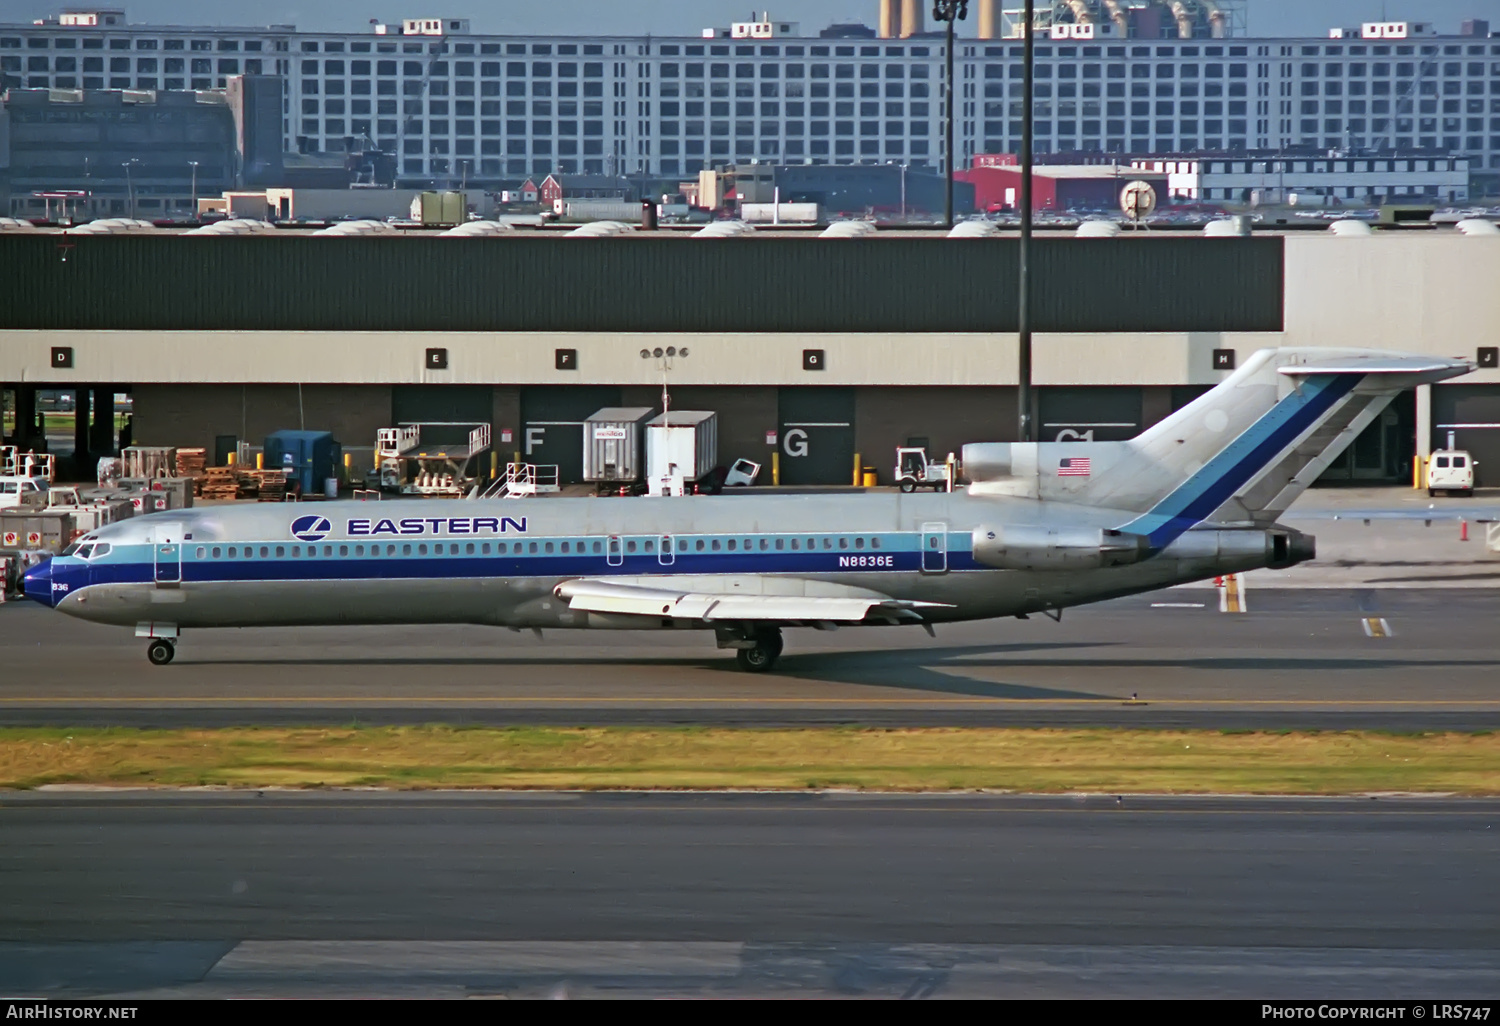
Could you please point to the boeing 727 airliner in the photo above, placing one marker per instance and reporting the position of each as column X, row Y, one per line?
column 1041, row 527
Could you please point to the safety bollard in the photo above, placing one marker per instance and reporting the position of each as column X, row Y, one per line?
column 1463, row 530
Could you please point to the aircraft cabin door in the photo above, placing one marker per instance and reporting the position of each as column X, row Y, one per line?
column 666, row 557
column 613, row 555
column 935, row 548
column 166, row 545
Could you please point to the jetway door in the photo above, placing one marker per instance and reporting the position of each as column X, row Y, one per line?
column 1090, row 414
column 455, row 405
column 552, row 425
column 816, row 435
column 1472, row 413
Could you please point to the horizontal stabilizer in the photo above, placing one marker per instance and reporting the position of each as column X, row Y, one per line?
column 604, row 596
column 1432, row 368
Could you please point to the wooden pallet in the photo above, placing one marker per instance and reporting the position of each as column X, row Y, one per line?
column 191, row 462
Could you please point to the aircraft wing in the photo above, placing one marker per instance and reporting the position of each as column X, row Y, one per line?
column 664, row 597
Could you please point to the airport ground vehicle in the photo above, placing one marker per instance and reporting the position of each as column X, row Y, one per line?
column 914, row 470
column 16, row 490
column 742, row 473
column 1451, row 471
column 446, row 463
column 1043, row 526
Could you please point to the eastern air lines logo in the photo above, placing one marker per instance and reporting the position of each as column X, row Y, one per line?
column 311, row 528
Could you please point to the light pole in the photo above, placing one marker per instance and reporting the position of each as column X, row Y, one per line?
column 950, row 11
column 1023, row 299
column 130, row 185
column 664, row 358
column 194, row 209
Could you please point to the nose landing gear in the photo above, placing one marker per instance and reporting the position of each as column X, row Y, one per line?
column 160, row 652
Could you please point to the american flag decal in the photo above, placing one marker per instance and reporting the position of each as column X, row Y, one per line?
column 1073, row 466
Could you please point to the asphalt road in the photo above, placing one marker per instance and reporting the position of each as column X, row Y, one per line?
column 1299, row 658
column 216, row 893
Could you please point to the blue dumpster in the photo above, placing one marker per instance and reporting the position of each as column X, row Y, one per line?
column 310, row 458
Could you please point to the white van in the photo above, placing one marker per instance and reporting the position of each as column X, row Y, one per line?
column 1450, row 470
column 23, row 491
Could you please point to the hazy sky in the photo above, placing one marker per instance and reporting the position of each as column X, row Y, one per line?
column 687, row 17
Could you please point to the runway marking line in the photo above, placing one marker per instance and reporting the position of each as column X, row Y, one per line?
column 542, row 702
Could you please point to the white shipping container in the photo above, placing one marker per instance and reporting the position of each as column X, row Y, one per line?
column 789, row 213
column 685, row 442
column 584, row 210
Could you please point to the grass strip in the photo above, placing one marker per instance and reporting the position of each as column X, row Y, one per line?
column 1039, row 761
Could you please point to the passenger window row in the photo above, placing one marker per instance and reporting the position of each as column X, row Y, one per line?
column 825, row 542
column 568, row 547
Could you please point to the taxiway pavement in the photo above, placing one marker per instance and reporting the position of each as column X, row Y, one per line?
column 222, row 894
column 1297, row 658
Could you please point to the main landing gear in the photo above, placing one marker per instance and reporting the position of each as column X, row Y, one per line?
column 761, row 652
column 160, row 652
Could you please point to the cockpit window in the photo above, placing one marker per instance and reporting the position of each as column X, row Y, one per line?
column 101, row 549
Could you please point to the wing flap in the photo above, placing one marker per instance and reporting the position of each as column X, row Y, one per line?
column 602, row 596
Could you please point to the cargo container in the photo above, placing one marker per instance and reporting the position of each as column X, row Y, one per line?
column 781, row 213
column 439, row 208
column 309, row 458
column 159, row 493
column 148, row 461
column 613, row 441
column 681, row 444
column 578, row 211
column 36, row 531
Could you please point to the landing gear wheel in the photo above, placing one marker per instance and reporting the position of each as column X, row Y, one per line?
column 160, row 652
column 763, row 656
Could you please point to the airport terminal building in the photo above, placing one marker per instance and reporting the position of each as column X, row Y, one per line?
column 816, row 349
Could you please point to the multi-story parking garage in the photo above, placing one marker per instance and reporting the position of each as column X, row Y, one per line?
column 819, row 347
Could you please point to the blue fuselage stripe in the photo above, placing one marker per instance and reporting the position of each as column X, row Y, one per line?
column 1238, row 463
column 135, row 565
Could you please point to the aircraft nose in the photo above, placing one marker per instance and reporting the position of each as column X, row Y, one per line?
column 37, row 584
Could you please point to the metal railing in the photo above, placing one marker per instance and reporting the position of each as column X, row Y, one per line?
column 521, row 480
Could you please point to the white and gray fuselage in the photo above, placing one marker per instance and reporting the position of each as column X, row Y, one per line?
column 500, row 561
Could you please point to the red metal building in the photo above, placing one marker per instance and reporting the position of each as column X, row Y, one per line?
column 1057, row 187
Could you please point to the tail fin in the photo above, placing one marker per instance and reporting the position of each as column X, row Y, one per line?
column 1242, row 453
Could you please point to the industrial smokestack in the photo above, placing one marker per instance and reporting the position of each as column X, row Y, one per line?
column 890, row 19
column 911, row 17
column 989, row 18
